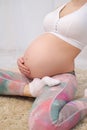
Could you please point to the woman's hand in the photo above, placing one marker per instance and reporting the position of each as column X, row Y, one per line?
column 23, row 69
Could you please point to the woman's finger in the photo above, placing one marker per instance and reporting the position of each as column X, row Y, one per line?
column 24, row 72
column 22, row 65
column 21, row 60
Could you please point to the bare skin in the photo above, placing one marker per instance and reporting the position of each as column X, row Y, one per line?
column 48, row 54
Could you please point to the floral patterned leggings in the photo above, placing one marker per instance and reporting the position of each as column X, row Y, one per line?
column 55, row 108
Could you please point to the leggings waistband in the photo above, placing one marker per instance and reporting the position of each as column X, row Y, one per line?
column 72, row 72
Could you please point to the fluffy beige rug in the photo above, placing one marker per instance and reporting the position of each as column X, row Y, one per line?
column 14, row 111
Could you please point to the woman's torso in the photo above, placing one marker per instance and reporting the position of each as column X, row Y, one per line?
column 52, row 54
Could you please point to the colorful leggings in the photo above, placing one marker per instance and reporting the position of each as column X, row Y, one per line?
column 12, row 83
column 53, row 109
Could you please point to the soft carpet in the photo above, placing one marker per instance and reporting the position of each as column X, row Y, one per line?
column 14, row 111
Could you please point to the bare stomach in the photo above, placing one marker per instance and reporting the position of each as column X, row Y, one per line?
column 48, row 55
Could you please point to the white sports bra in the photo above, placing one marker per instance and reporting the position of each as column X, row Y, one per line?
column 71, row 28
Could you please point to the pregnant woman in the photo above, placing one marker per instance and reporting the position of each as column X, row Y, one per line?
column 47, row 68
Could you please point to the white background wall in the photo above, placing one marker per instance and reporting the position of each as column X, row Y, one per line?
column 20, row 22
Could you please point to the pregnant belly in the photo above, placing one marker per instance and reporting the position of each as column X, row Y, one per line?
column 47, row 55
